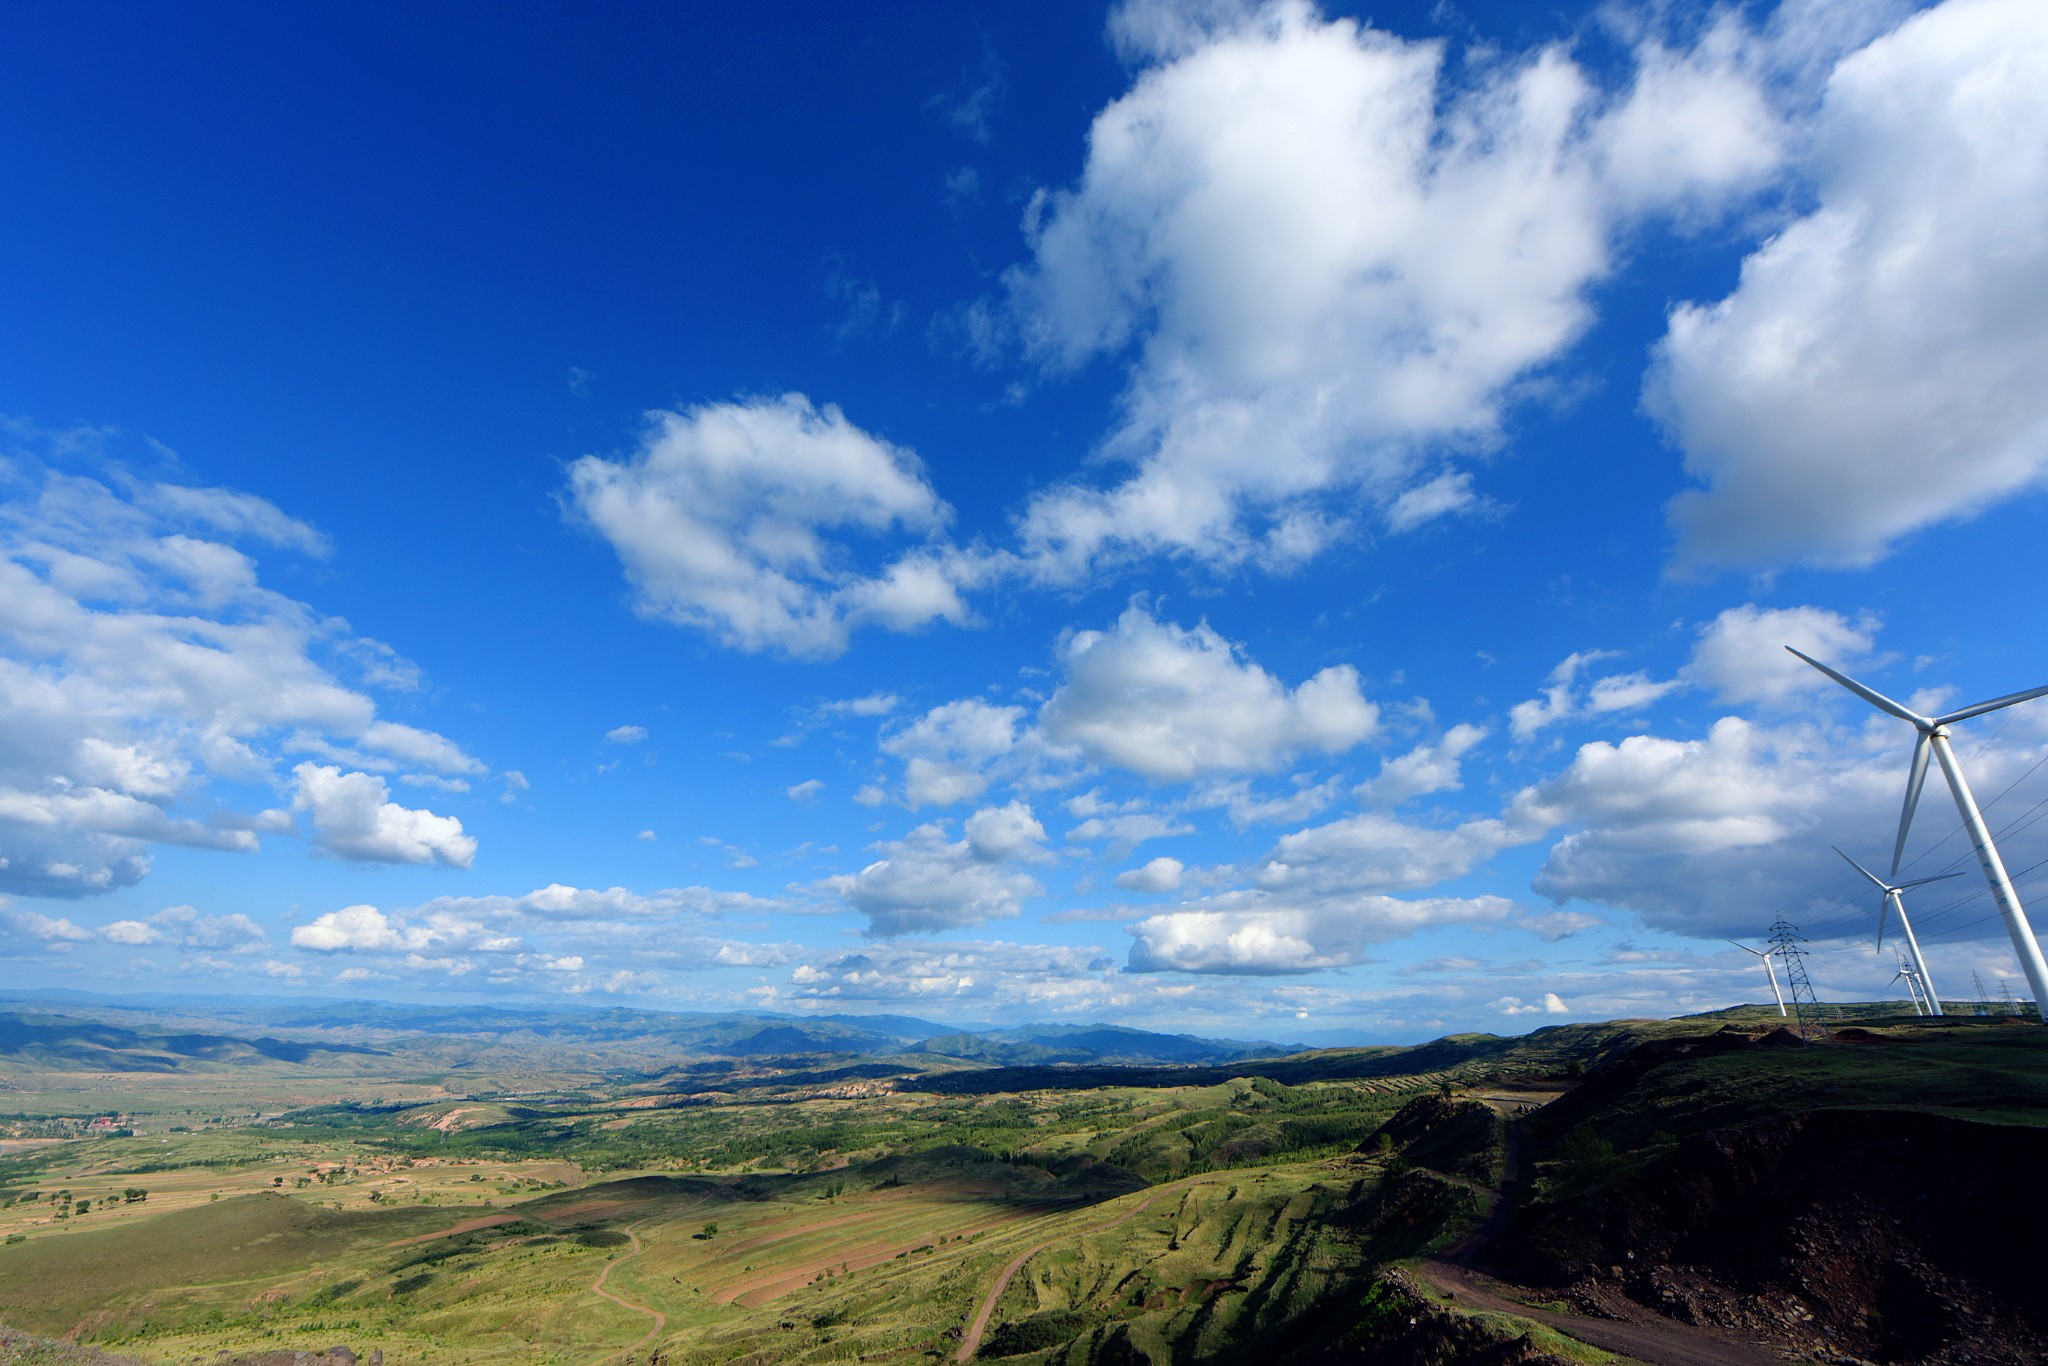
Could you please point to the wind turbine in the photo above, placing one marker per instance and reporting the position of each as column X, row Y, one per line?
column 1894, row 902
column 1905, row 974
column 1769, row 971
column 1934, row 736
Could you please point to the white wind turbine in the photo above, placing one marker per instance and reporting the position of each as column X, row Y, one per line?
column 1905, row 974
column 1894, row 902
column 1934, row 737
column 1769, row 971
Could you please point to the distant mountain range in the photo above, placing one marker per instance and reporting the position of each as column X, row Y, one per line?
column 65, row 1030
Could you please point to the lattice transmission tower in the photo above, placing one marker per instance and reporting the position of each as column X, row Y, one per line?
column 1785, row 942
column 1983, row 993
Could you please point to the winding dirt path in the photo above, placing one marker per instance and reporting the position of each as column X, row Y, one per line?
column 970, row 1341
column 660, row 1319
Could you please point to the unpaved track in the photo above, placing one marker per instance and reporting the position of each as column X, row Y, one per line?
column 660, row 1319
column 1660, row 1341
column 970, row 1342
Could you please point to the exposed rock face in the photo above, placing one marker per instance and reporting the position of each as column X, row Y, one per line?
column 1880, row 1235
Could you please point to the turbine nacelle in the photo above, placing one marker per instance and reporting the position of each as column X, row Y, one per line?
column 1891, row 891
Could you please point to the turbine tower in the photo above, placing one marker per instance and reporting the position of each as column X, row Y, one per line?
column 1894, row 902
column 1769, row 971
column 1934, row 737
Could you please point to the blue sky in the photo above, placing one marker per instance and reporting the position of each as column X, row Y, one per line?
column 1223, row 517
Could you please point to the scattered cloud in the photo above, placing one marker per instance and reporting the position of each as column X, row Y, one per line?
column 186, row 929
column 1876, row 369
column 145, row 663
column 1332, row 268
column 720, row 519
column 1432, row 767
column 1549, row 1004
column 626, row 735
column 354, row 817
column 1173, row 704
column 1741, row 653
column 947, row 752
column 1159, row 875
column 1254, row 934
column 925, row 882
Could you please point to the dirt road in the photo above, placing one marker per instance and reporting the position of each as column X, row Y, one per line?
column 970, row 1341
column 660, row 1319
column 1658, row 1340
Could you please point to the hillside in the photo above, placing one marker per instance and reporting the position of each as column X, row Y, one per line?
column 1684, row 1190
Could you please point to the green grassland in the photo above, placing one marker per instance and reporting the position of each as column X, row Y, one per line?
column 809, row 1213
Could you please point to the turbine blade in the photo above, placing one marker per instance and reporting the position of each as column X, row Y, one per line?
column 1994, row 704
column 1915, row 779
column 1884, row 910
column 1875, row 880
column 1747, row 949
column 1870, row 695
column 1923, row 881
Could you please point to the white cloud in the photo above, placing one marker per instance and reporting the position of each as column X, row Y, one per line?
column 1877, row 369
column 1041, row 979
column 233, row 514
column 1246, row 806
column 352, row 928
column 1434, row 766
column 720, row 519
column 186, row 929
column 1127, row 830
column 999, row 834
column 1443, row 496
column 1160, row 875
column 1173, row 704
column 354, row 817
column 805, row 791
column 626, row 735
column 142, row 663
column 1741, row 653
column 648, row 835
column 924, row 883
column 1372, row 852
column 52, row 930
column 1254, row 934
column 1564, row 698
column 1693, row 796
column 873, row 704
column 434, row 781
column 947, row 751
column 1335, row 267
column 415, row 746
column 1712, row 837
column 1515, row 1005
